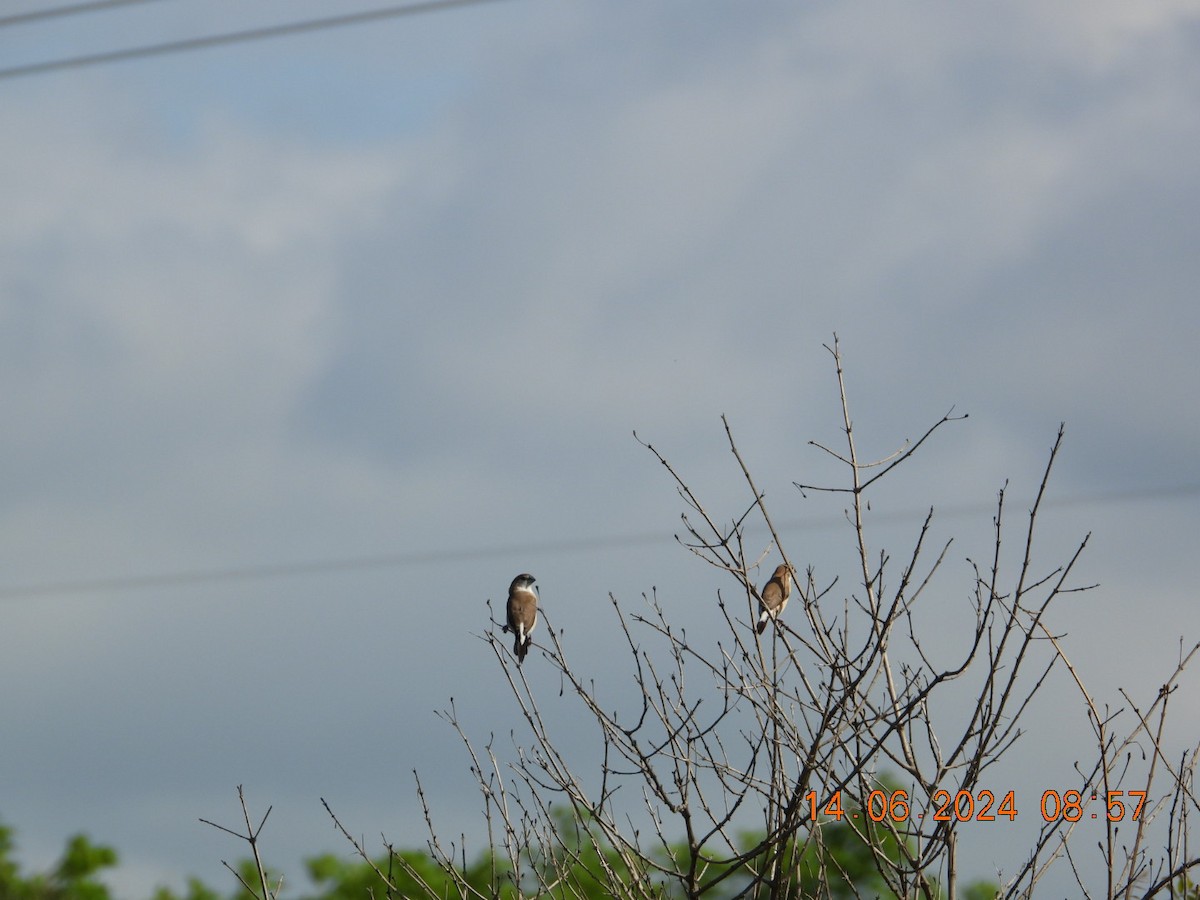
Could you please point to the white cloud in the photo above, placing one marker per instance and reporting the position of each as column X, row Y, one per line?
column 1110, row 33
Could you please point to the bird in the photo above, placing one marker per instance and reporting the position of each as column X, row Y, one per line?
column 522, row 613
column 774, row 596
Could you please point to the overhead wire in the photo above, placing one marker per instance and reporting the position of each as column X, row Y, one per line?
column 542, row 548
column 234, row 37
column 267, row 571
column 70, row 9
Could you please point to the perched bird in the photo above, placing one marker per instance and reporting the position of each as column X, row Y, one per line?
column 522, row 613
column 775, row 595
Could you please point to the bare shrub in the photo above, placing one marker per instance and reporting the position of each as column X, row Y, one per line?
column 737, row 768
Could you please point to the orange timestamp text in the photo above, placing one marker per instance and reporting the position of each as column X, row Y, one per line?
column 980, row 806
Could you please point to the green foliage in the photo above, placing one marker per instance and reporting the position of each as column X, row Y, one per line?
column 72, row 878
column 589, row 864
column 585, row 863
column 981, row 890
column 412, row 872
column 8, row 868
column 1186, row 889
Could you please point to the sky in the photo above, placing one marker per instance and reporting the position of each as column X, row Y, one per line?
column 308, row 345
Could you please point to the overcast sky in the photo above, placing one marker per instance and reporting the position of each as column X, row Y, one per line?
column 402, row 292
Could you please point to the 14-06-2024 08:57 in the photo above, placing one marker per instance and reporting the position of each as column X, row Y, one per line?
column 982, row 806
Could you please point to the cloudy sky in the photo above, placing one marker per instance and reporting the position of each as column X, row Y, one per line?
column 308, row 345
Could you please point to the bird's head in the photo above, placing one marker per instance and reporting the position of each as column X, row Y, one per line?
column 523, row 581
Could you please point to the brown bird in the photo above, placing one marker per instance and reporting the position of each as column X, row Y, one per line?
column 522, row 613
column 775, row 595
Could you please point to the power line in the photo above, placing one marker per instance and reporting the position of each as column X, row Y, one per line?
column 544, row 548
column 283, row 570
column 233, row 37
column 70, row 9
